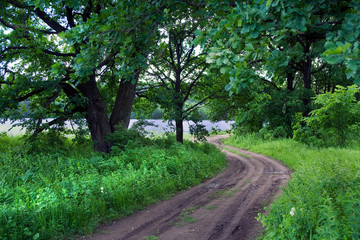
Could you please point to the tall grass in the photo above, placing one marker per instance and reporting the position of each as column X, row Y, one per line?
column 322, row 199
column 57, row 195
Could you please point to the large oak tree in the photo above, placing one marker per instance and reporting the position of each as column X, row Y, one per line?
column 68, row 58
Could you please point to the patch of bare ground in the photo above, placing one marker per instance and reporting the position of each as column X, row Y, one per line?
column 223, row 207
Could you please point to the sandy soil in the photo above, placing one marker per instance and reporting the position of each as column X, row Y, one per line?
column 223, row 207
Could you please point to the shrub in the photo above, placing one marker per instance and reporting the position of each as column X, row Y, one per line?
column 334, row 121
column 57, row 196
column 322, row 198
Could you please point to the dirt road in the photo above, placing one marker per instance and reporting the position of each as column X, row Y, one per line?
column 223, row 207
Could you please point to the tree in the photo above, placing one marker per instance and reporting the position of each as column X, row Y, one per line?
column 176, row 72
column 74, row 58
column 279, row 40
column 335, row 121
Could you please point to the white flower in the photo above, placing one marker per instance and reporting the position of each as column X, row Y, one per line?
column 102, row 190
column 292, row 212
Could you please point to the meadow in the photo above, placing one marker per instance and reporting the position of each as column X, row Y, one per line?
column 322, row 199
column 59, row 190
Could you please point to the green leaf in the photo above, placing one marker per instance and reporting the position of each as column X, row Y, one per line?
column 329, row 45
column 80, row 60
column 224, row 70
column 197, row 32
column 36, row 236
column 249, row 47
column 268, row 3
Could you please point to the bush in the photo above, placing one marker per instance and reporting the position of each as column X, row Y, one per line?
column 333, row 123
column 57, row 196
column 322, row 198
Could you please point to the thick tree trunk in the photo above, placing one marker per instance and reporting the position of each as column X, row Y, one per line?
column 96, row 115
column 123, row 103
column 179, row 130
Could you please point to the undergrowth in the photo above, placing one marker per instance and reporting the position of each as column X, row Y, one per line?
column 58, row 194
column 322, row 199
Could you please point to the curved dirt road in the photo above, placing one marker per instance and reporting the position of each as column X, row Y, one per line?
column 223, row 207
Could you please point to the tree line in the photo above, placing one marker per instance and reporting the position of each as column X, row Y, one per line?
column 261, row 62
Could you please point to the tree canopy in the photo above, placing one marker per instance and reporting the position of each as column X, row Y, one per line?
column 82, row 59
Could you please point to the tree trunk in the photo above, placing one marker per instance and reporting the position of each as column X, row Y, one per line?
column 307, row 79
column 96, row 115
column 123, row 103
column 179, row 104
column 290, row 81
column 290, row 87
column 179, row 130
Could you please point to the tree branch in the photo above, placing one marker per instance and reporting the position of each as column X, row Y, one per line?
column 201, row 102
column 161, row 79
column 193, row 83
column 41, row 14
column 39, row 129
column 58, row 54
column 319, row 69
column 15, row 27
column 108, row 59
column 70, row 16
column 52, row 98
column 269, row 82
column 30, row 94
column 49, row 21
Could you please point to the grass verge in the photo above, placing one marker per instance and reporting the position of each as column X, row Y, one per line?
column 62, row 194
column 322, row 199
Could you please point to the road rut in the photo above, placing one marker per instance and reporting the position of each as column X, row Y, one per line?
column 223, row 207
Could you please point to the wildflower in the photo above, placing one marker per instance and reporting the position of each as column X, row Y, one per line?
column 292, row 212
column 102, row 190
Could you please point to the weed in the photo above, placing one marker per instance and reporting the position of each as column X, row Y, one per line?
column 218, row 193
column 321, row 200
column 237, row 152
column 211, row 207
column 151, row 237
column 55, row 194
column 231, row 192
column 185, row 217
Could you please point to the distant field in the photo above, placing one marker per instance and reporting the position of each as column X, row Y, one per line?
column 159, row 127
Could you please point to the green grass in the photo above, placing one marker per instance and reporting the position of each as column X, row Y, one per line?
column 237, row 152
column 185, row 217
column 218, row 194
column 231, row 192
column 67, row 192
column 211, row 207
column 151, row 237
column 322, row 199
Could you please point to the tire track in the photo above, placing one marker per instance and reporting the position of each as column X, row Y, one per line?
column 223, row 207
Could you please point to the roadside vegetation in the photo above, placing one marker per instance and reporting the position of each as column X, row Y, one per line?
column 322, row 199
column 287, row 72
column 50, row 192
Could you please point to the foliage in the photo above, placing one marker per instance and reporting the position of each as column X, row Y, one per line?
column 199, row 131
column 335, row 121
column 60, row 59
column 177, row 73
column 272, row 112
column 321, row 200
column 136, row 136
column 265, row 39
column 56, row 196
column 343, row 46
